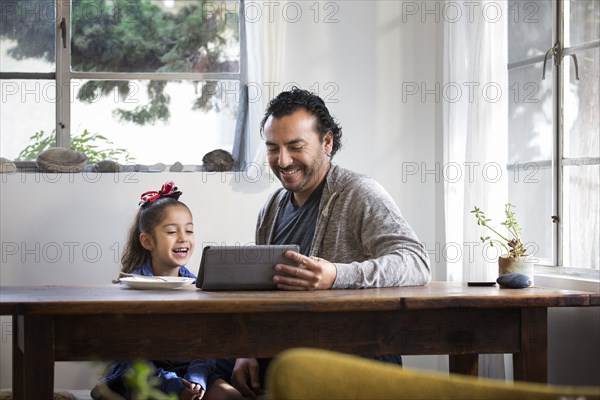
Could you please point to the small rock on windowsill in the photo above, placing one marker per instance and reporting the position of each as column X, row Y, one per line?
column 177, row 167
column 218, row 161
column 7, row 166
column 107, row 166
column 60, row 159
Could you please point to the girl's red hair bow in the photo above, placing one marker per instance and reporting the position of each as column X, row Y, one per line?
column 168, row 190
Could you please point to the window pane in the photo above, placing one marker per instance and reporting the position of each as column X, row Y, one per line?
column 529, row 28
column 530, row 157
column 530, row 115
column 27, row 36
column 582, row 105
column 530, row 190
column 583, row 22
column 22, row 99
column 182, row 120
column 582, row 216
column 155, row 36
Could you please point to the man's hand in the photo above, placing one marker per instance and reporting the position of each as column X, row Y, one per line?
column 246, row 371
column 310, row 274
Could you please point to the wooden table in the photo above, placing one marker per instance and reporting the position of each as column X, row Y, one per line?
column 56, row 323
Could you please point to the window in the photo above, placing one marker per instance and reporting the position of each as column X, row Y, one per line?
column 145, row 81
column 554, row 139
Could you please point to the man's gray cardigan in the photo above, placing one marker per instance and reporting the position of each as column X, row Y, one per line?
column 360, row 230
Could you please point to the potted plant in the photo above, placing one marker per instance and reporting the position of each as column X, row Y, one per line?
column 514, row 259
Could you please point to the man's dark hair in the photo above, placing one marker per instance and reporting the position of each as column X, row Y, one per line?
column 286, row 103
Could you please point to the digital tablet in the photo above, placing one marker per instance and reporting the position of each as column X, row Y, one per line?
column 241, row 267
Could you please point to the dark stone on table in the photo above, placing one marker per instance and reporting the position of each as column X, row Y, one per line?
column 514, row 280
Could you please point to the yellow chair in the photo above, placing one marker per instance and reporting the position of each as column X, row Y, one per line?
column 318, row 374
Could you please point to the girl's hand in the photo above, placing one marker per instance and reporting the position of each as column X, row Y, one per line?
column 192, row 391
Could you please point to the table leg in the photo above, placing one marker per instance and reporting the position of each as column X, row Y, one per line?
column 466, row 364
column 33, row 357
column 531, row 363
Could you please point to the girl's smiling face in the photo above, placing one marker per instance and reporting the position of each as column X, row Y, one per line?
column 171, row 242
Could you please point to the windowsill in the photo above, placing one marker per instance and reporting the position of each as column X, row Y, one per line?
column 30, row 166
column 566, row 282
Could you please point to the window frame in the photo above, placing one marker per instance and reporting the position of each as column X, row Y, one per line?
column 556, row 55
column 63, row 76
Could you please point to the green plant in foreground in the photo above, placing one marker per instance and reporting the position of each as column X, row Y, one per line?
column 143, row 384
column 96, row 147
column 512, row 243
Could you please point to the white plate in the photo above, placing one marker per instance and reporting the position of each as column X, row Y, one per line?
column 149, row 282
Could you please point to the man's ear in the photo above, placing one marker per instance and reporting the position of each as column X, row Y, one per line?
column 146, row 241
column 328, row 143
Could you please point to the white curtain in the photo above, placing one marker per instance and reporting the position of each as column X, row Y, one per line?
column 265, row 38
column 475, row 141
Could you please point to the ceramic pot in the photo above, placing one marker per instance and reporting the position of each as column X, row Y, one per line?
column 509, row 265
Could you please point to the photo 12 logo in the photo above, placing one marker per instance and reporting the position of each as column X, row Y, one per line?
column 470, row 92
column 271, row 11
column 472, row 252
column 55, row 252
column 469, row 171
column 128, row 176
column 48, row 92
column 469, row 11
column 230, row 91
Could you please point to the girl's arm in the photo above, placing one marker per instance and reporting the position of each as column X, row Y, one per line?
column 169, row 381
column 199, row 371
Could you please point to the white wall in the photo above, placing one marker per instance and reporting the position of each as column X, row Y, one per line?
column 360, row 62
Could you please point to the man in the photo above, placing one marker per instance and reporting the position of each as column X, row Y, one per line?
column 350, row 232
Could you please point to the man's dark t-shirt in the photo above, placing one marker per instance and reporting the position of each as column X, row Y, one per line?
column 296, row 224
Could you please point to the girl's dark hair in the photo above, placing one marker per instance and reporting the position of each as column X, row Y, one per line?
column 146, row 219
column 286, row 103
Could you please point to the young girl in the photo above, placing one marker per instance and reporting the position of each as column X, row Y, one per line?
column 161, row 242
